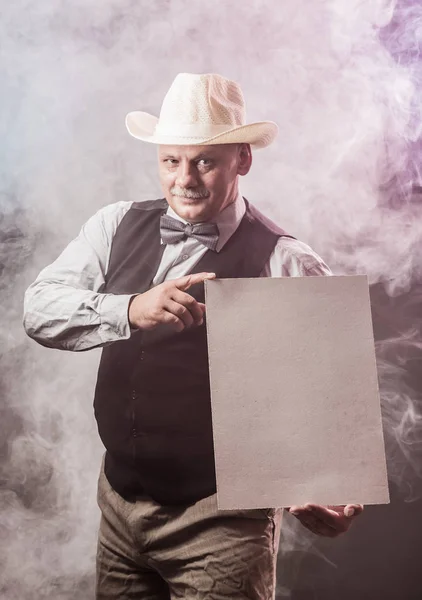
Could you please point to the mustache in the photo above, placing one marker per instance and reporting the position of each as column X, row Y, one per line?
column 188, row 193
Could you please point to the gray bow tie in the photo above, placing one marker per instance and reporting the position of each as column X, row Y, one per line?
column 173, row 231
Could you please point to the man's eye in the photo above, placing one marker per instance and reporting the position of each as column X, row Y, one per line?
column 204, row 162
column 170, row 161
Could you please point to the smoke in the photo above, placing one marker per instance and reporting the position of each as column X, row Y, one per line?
column 402, row 410
column 342, row 79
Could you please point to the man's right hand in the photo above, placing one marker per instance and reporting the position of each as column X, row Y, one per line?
column 168, row 304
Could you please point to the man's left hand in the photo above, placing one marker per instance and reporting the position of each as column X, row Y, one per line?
column 328, row 521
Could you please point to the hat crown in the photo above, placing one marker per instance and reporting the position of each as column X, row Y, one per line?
column 205, row 100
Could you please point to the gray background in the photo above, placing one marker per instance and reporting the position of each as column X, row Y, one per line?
column 342, row 78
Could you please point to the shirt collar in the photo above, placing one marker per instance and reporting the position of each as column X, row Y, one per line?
column 228, row 220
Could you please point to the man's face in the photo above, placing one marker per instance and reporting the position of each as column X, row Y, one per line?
column 200, row 181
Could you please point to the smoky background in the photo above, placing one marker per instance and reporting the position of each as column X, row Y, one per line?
column 343, row 80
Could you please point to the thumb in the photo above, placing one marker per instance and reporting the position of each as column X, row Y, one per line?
column 184, row 283
column 353, row 510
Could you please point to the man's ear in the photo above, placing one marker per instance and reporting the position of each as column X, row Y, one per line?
column 245, row 159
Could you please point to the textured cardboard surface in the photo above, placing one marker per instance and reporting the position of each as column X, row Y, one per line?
column 295, row 401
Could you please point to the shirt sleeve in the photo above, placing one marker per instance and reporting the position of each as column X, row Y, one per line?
column 64, row 307
column 292, row 258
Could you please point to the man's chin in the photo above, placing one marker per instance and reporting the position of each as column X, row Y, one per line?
column 193, row 210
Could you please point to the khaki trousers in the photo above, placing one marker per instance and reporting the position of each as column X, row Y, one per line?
column 153, row 552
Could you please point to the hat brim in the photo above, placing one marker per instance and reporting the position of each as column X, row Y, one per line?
column 141, row 125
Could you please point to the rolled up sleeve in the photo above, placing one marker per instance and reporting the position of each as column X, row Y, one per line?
column 292, row 258
column 64, row 307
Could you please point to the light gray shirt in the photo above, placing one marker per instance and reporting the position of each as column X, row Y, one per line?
column 65, row 308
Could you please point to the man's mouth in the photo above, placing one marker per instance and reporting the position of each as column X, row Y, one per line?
column 189, row 199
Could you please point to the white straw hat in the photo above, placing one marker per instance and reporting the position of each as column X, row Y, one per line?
column 201, row 109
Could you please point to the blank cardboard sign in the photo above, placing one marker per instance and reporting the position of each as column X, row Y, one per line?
column 294, row 392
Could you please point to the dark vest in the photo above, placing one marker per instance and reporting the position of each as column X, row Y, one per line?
column 152, row 398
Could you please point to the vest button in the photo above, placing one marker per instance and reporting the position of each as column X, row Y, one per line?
column 133, row 395
column 134, row 433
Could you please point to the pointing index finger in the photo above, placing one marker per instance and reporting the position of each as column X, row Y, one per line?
column 184, row 283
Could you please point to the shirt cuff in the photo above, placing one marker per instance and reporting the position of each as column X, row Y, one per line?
column 114, row 319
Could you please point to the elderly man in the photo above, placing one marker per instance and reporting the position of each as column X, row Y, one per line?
column 132, row 282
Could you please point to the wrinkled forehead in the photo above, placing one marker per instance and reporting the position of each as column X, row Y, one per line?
column 193, row 152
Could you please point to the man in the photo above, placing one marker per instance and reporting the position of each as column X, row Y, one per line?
column 132, row 281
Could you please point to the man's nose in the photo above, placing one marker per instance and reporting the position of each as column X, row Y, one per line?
column 186, row 176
